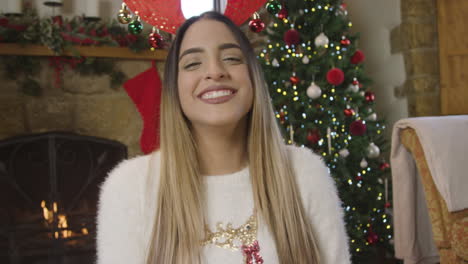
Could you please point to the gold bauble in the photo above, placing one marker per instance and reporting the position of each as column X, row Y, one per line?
column 124, row 16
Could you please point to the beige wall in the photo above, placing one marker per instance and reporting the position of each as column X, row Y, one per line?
column 375, row 19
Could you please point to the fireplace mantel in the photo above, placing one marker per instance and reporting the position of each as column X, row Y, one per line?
column 87, row 51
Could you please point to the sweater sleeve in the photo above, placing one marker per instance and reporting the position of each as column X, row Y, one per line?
column 118, row 236
column 323, row 206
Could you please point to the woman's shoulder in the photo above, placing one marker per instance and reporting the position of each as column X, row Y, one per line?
column 129, row 173
column 312, row 175
column 305, row 161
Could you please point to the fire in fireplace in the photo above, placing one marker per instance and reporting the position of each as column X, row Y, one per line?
column 50, row 182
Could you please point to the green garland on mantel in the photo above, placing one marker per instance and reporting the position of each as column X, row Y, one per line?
column 60, row 34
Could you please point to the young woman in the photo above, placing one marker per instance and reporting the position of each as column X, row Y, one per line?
column 223, row 188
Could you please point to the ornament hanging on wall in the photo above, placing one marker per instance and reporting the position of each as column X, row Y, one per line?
column 314, row 91
column 155, row 40
column 273, row 7
column 321, row 40
column 124, row 16
column 256, row 24
column 135, row 27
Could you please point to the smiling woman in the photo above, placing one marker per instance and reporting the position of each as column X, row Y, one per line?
column 214, row 86
column 224, row 188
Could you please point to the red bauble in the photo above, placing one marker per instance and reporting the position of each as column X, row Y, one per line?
column 384, row 166
column 291, row 37
column 345, row 42
column 335, row 76
column 283, row 13
column 372, row 237
column 256, row 25
column 357, row 57
column 349, row 112
column 358, row 178
column 388, row 205
column 155, row 40
column 355, row 82
column 370, row 97
column 294, row 80
column 313, row 136
column 357, row 128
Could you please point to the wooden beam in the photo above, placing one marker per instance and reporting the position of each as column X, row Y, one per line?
column 87, row 51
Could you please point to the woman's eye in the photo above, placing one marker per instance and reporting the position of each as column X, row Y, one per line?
column 233, row 59
column 191, row 65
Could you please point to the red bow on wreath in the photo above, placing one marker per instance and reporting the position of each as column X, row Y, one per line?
column 167, row 14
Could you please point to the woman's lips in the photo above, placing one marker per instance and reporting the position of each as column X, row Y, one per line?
column 217, row 95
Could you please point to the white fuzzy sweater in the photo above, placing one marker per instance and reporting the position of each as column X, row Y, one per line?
column 124, row 217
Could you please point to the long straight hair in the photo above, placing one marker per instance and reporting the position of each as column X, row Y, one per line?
column 179, row 225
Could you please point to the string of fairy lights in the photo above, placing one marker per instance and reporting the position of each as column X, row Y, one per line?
column 337, row 131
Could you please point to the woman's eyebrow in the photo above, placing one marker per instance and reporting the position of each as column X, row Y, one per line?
column 197, row 50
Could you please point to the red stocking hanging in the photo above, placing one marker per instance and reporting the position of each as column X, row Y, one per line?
column 145, row 91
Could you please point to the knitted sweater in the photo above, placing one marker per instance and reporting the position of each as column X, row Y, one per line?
column 124, row 217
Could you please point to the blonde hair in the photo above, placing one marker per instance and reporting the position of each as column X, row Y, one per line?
column 179, row 223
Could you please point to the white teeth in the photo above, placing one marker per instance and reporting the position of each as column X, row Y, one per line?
column 216, row 94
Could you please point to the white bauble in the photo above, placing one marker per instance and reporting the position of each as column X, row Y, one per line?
column 362, row 93
column 373, row 151
column 372, row 117
column 305, row 59
column 275, row 63
column 321, row 40
column 353, row 88
column 344, row 153
column 363, row 163
column 314, row 91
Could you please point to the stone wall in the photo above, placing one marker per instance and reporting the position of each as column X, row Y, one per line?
column 84, row 105
column 417, row 39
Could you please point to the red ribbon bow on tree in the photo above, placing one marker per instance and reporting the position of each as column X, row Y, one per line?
column 251, row 253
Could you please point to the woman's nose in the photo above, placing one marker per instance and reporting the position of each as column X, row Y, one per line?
column 216, row 71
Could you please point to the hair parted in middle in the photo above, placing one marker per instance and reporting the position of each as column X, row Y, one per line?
column 178, row 228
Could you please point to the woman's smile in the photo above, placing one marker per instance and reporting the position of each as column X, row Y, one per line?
column 217, row 94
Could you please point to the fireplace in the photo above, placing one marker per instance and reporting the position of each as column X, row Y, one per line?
column 49, row 187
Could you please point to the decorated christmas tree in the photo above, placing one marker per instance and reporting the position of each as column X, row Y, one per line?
column 323, row 101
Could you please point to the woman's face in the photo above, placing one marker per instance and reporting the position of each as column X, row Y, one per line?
column 213, row 82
